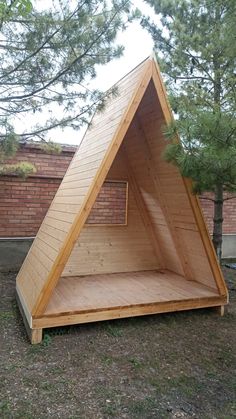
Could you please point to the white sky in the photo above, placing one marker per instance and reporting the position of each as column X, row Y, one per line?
column 138, row 46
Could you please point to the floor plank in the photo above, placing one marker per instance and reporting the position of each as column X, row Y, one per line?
column 123, row 290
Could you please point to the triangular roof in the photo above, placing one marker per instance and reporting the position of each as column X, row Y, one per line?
column 68, row 212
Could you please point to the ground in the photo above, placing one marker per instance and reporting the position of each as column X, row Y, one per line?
column 177, row 365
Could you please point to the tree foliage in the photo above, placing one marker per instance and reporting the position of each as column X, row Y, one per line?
column 8, row 9
column 47, row 59
column 196, row 48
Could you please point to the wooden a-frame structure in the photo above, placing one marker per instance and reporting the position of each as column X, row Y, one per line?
column 162, row 260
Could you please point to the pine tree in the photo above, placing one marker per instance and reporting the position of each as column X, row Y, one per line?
column 47, row 59
column 196, row 48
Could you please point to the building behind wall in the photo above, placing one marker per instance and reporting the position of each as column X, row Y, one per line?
column 24, row 203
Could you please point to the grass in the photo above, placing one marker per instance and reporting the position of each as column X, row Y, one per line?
column 6, row 315
column 113, row 329
column 147, row 407
column 185, row 385
column 107, row 360
column 47, row 339
column 109, row 410
column 136, row 363
column 156, row 367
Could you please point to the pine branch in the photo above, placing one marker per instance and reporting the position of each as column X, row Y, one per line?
column 191, row 78
column 33, row 54
column 64, row 121
column 230, row 197
column 206, row 198
column 63, row 72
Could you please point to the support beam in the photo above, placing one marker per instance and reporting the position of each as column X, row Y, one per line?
column 220, row 310
column 36, row 336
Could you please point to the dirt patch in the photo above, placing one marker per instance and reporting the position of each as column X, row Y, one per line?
column 178, row 365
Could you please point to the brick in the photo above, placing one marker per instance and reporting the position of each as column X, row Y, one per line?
column 229, row 214
column 25, row 202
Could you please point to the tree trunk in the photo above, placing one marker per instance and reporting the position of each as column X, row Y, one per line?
column 218, row 221
column 218, row 202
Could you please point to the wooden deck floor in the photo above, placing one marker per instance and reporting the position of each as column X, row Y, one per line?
column 112, row 291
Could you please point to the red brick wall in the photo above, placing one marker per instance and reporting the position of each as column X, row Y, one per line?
column 47, row 165
column 229, row 214
column 24, row 203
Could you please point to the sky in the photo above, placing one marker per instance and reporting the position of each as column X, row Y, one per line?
column 138, row 46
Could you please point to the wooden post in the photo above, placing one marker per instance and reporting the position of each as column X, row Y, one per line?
column 220, row 310
column 35, row 335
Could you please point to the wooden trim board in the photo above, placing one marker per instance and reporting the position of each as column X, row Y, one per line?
column 65, row 319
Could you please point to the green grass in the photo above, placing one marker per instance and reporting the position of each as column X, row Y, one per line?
column 110, row 410
column 4, row 407
column 113, row 329
column 47, row 386
column 157, row 384
column 47, row 339
column 107, row 360
column 23, row 410
column 57, row 370
column 146, row 407
column 136, row 363
column 6, row 315
column 189, row 386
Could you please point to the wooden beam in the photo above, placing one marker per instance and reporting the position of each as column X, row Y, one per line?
column 220, row 310
column 80, row 219
column 122, row 312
